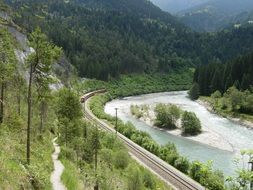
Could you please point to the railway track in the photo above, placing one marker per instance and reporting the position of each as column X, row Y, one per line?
column 173, row 177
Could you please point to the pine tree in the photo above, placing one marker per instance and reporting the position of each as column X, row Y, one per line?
column 216, row 83
column 40, row 62
column 7, row 62
column 245, row 84
column 229, row 82
column 19, row 86
column 194, row 91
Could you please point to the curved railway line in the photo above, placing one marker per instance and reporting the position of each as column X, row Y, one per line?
column 173, row 177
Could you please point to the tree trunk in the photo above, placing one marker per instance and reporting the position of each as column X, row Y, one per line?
column 2, row 103
column 96, row 186
column 42, row 115
column 41, row 118
column 96, row 164
column 29, row 104
column 19, row 103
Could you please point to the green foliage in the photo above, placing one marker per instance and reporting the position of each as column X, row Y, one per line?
column 14, row 173
column 121, row 159
column 216, row 95
column 44, row 55
column 131, row 48
column 167, row 115
column 68, row 105
column 218, row 76
column 69, row 113
column 139, row 110
column 134, row 180
column 203, row 174
column 68, row 129
column 148, row 180
column 194, row 91
column 244, row 176
column 233, row 103
column 169, row 153
column 7, row 65
column 135, row 84
column 8, row 58
column 234, row 97
column 140, row 40
column 70, row 176
column 182, row 164
column 190, row 124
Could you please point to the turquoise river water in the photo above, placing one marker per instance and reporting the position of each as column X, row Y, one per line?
column 239, row 137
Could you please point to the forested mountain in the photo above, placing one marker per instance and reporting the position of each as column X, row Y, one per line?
column 173, row 6
column 103, row 39
column 218, row 76
column 215, row 14
column 243, row 18
column 104, row 42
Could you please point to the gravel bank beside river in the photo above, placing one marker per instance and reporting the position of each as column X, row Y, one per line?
column 208, row 136
column 239, row 121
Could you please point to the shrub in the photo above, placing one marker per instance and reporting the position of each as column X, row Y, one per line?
column 194, row 91
column 216, row 94
column 169, row 153
column 204, row 174
column 148, row 179
column 134, row 180
column 190, row 124
column 121, row 159
column 182, row 164
column 167, row 115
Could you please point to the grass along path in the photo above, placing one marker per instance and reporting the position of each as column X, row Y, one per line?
column 58, row 169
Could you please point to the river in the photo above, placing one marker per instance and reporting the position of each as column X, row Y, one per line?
column 239, row 137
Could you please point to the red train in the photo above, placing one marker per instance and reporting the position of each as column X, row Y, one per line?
column 88, row 95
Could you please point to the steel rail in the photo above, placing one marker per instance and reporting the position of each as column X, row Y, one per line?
column 169, row 174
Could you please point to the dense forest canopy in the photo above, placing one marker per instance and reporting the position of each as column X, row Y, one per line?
column 218, row 76
column 103, row 39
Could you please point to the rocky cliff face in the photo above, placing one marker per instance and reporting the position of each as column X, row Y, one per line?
column 62, row 70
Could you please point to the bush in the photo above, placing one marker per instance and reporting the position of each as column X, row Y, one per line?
column 194, row 91
column 167, row 115
column 121, row 159
column 148, row 179
column 216, row 94
column 107, row 156
column 67, row 153
column 135, row 110
column 134, row 180
column 169, row 153
column 182, row 164
column 190, row 124
column 203, row 173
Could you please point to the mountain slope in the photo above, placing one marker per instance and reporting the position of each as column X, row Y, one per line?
column 105, row 42
column 215, row 14
column 143, row 8
column 173, row 6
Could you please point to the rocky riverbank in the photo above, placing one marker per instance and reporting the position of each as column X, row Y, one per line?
column 239, row 121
